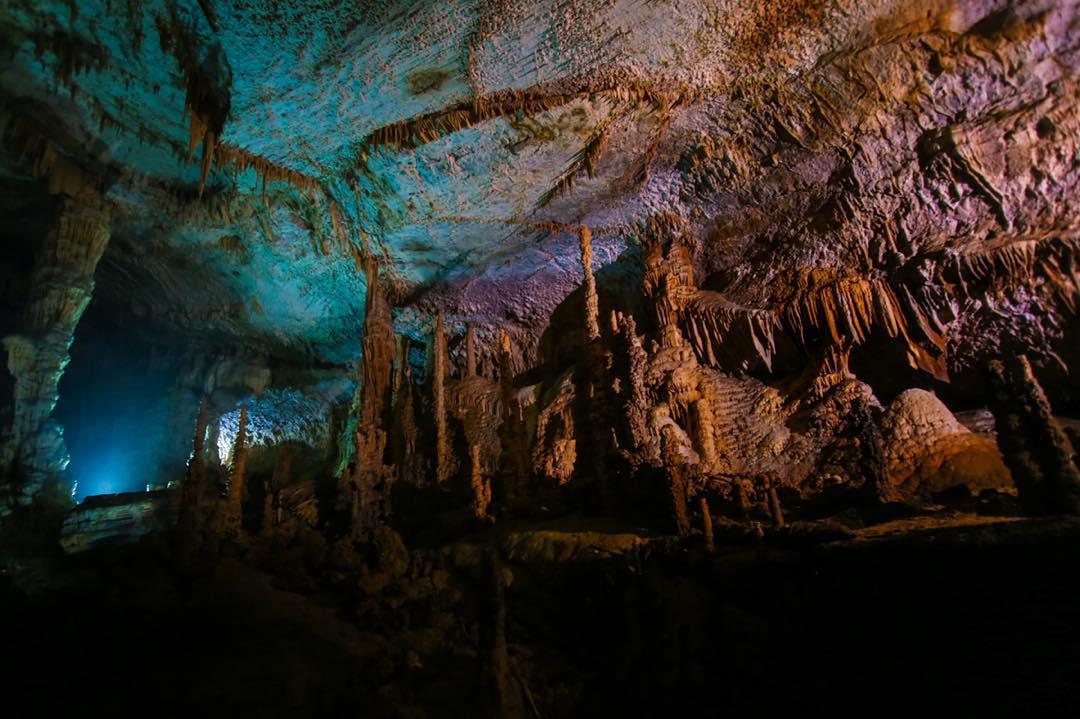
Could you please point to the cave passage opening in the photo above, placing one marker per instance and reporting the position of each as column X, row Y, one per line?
column 117, row 397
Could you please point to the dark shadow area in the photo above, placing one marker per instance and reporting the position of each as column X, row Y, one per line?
column 967, row 619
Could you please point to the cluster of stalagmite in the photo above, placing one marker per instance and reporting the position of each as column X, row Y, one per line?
column 669, row 413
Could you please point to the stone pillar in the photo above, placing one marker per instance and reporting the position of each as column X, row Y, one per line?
column 470, row 350
column 481, row 487
column 278, row 481
column 706, row 524
column 677, row 480
column 442, row 444
column 592, row 306
column 191, row 491
column 229, row 517
column 61, row 286
column 364, row 490
column 1036, row 450
column 513, row 433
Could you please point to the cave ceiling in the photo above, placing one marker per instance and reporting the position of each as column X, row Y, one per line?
column 462, row 143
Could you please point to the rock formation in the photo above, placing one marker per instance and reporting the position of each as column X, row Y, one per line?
column 229, row 515
column 365, row 486
column 1038, row 453
column 455, row 293
column 61, row 286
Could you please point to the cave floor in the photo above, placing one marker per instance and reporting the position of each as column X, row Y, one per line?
column 949, row 611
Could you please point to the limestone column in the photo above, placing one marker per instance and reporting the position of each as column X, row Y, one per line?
column 592, row 311
column 513, row 434
column 442, row 445
column 364, row 490
column 191, row 491
column 1036, row 450
column 230, row 516
column 470, row 350
column 34, row 453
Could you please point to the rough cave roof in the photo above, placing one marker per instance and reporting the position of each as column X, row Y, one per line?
column 459, row 141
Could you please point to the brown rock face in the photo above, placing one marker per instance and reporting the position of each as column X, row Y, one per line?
column 364, row 488
column 927, row 451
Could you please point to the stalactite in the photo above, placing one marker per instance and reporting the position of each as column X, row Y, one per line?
column 845, row 310
column 443, row 462
column 207, row 78
column 1036, row 450
column 592, row 311
column 583, row 161
column 266, row 171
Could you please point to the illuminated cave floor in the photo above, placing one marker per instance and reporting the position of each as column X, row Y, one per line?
column 949, row 611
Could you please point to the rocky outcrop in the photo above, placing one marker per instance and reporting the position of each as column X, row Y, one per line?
column 364, row 487
column 927, row 451
column 1036, row 449
column 61, row 286
column 111, row 519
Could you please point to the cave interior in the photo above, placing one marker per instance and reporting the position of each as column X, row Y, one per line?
column 539, row 359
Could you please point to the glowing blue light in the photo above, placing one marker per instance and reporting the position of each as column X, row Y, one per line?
column 107, row 473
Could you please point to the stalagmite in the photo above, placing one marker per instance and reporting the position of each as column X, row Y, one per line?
column 706, row 524
column 773, row 498
column 364, row 491
column 628, row 365
column 508, row 701
column 513, row 439
column 1036, row 450
column 703, row 431
column 470, row 350
column 408, row 458
column 480, row 485
column 191, row 490
column 61, row 284
column 229, row 518
column 443, row 462
column 871, row 454
column 592, row 310
column 278, row 481
column 677, row 480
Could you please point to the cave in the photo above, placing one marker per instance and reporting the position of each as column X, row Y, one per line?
column 544, row 359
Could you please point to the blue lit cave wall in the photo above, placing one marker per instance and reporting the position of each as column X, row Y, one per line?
column 130, row 397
